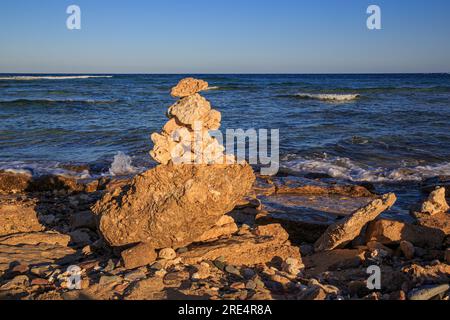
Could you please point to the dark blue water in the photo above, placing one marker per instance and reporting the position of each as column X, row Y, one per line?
column 381, row 128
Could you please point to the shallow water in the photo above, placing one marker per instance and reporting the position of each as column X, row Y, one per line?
column 377, row 128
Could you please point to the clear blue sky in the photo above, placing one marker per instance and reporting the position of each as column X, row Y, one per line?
column 224, row 36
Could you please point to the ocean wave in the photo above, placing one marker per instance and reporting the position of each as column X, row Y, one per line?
column 121, row 165
column 344, row 168
column 30, row 78
column 328, row 96
column 213, row 88
column 52, row 101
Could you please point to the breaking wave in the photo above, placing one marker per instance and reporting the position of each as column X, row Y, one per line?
column 328, row 96
column 121, row 165
column 30, row 78
column 344, row 168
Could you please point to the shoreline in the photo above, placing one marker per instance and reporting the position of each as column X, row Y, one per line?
column 59, row 208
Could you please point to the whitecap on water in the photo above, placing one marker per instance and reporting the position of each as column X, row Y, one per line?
column 328, row 97
column 344, row 168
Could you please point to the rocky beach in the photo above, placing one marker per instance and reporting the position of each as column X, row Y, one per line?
column 217, row 229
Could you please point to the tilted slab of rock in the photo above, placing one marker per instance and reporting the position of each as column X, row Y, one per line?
column 350, row 227
column 262, row 246
column 439, row 221
column 18, row 217
column 392, row 232
column 172, row 206
column 188, row 86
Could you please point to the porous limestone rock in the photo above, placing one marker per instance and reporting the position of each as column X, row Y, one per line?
column 435, row 203
column 190, row 109
column 350, row 227
column 173, row 205
column 19, row 217
column 188, row 86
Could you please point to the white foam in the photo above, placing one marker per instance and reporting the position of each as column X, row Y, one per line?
column 28, row 78
column 121, row 165
column 213, row 88
column 328, row 97
column 344, row 168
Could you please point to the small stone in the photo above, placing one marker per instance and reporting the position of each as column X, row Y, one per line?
column 40, row 282
column 203, row 271
column 110, row 266
column 20, row 268
column 135, row 275
column 407, row 249
column 238, row 285
column 160, row 273
column 167, row 253
column 156, row 266
column 292, row 266
column 250, row 285
column 107, row 280
column 248, row 273
column 138, row 256
column 233, row 270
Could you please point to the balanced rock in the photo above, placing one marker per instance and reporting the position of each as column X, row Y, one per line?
column 173, row 205
column 188, row 86
column 185, row 137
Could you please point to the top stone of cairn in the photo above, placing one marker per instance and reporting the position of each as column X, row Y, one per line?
column 188, row 87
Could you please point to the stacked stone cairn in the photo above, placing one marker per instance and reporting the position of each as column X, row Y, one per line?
column 185, row 138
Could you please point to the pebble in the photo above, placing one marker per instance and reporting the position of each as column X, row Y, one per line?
column 110, row 266
column 233, row 270
column 248, row 273
column 167, row 253
column 203, row 271
column 135, row 275
column 156, row 266
column 105, row 280
column 250, row 285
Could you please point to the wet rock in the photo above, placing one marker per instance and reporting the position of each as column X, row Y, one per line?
column 428, row 292
column 350, row 227
column 172, row 206
column 140, row 255
column 18, row 218
column 407, row 249
column 11, row 182
column 392, row 232
column 167, row 253
column 188, row 86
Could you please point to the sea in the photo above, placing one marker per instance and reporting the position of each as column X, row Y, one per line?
column 390, row 130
